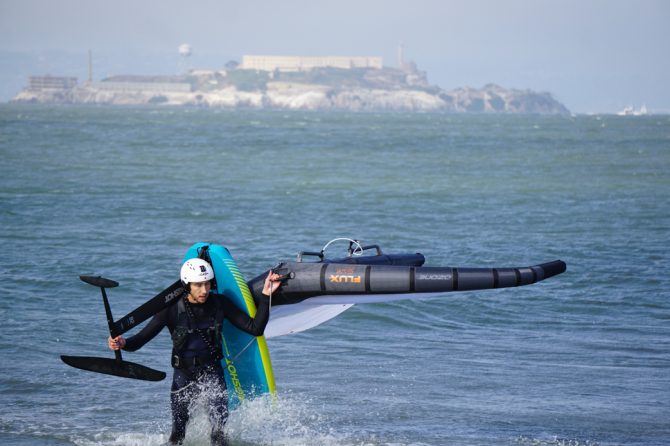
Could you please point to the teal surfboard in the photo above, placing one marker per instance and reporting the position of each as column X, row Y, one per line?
column 246, row 357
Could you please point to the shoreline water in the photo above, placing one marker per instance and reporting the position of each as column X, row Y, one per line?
column 121, row 192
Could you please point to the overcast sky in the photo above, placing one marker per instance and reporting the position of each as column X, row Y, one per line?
column 592, row 55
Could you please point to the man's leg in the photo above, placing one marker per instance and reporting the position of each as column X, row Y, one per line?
column 217, row 396
column 182, row 394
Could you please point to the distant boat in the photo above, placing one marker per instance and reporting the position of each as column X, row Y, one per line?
column 627, row 111
column 630, row 111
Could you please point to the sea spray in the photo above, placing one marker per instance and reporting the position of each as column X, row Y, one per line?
column 283, row 420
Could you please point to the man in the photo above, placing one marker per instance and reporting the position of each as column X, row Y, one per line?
column 195, row 324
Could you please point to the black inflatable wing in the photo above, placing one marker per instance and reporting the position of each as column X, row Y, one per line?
column 314, row 292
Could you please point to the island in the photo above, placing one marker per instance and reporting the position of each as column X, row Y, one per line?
column 294, row 83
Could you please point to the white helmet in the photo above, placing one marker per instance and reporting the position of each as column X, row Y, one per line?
column 196, row 270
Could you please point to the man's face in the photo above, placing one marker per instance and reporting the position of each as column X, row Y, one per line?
column 199, row 292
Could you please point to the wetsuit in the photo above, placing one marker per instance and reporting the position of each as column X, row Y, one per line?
column 196, row 355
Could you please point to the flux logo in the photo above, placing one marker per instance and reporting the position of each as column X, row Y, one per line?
column 342, row 278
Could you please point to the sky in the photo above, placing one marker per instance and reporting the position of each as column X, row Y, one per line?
column 594, row 56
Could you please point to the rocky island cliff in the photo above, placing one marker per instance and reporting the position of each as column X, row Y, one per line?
column 328, row 88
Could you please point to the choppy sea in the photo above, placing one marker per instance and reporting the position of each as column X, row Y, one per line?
column 582, row 359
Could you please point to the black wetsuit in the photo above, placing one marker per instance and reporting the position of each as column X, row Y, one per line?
column 196, row 355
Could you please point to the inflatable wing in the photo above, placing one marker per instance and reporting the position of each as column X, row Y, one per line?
column 314, row 292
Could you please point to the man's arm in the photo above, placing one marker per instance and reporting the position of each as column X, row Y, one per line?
column 254, row 326
column 133, row 343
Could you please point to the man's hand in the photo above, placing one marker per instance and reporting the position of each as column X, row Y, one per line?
column 272, row 283
column 116, row 343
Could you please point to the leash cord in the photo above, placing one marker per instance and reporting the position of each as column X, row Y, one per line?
column 356, row 252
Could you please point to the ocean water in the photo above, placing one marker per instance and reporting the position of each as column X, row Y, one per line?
column 580, row 359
